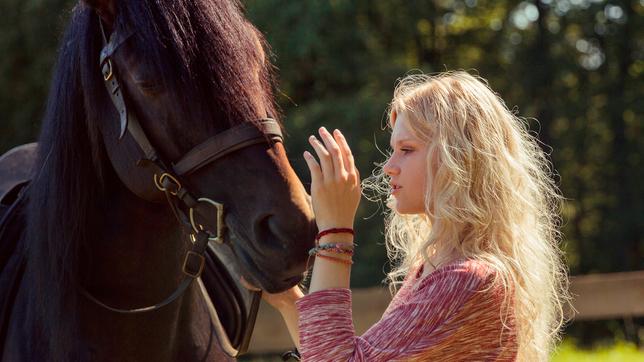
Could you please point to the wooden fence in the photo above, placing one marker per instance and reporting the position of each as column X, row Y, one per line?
column 598, row 296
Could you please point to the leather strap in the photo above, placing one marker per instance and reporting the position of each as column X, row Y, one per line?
column 116, row 39
column 128, row 121
column 224, row 341
column 109, row 74
column 231, row 140
column 149, row 152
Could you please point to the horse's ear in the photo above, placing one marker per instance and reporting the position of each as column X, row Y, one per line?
column 106, row 9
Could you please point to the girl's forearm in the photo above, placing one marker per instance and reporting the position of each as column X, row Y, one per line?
column 326, row 274
column 329, row 273
column 290, row 315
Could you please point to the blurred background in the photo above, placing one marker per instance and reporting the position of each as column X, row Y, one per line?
column 573, row 68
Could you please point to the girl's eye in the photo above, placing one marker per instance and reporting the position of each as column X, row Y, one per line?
column 406, row 150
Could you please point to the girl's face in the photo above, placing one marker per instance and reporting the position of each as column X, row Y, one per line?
column 407, row 168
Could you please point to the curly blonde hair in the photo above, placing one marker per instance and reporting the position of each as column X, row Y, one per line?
column 492, row 198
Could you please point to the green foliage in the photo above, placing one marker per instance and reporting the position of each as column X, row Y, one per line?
column 29, row 33
column 574, row 71
column 566, row 352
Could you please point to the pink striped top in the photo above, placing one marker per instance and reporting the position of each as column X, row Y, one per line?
column 452, row 314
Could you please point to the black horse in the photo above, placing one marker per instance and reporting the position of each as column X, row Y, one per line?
column 107, row 222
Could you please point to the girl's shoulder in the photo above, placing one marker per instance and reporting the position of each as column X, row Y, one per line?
column 458, row 279
column 464, row 272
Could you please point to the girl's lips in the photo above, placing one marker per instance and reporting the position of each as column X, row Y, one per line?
column 395, row 189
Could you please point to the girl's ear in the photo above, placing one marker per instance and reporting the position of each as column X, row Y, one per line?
column 106, row 9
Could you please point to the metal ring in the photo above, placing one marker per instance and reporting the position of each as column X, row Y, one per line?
column 220, row 220
column 109, row 75
column 160, row 180
column 202, row 261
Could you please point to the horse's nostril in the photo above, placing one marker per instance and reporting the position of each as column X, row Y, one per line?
column 263, row 225
column 268, row 233
column 283, row 238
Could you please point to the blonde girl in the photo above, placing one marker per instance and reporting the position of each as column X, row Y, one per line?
column 472, row 229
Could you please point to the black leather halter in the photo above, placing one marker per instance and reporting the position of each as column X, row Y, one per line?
column 167, row 176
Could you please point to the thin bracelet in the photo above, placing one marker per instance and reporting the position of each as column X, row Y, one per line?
column 339, row 248
column 335, row 259
column 338, row 251
column 316, row 251
column 328, row 247
column 334, row 231
column 344, row 246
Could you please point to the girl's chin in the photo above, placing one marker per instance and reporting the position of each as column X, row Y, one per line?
column 399, row 207
column 402, row 208
column 403, row 211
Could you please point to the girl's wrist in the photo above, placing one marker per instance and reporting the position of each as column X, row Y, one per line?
column 334, row 221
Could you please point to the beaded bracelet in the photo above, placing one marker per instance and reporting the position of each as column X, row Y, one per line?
column 343, row 246
column 340, row 248
column 333, row 247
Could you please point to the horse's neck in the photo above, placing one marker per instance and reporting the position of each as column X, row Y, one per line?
column 139, row 248
column 136, row 262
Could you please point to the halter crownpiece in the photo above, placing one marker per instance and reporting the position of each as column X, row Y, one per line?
column 109, row 77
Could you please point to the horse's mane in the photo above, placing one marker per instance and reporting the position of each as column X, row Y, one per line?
column 197, row 48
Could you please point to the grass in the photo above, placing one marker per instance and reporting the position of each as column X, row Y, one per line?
column 567, row 352
column 618, row 352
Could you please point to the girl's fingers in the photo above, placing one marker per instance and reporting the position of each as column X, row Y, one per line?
column 314, row 168
column 326, row 164
column 347, row 156
column 334, row 150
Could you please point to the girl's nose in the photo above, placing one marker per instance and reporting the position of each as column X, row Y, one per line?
column 390, row 168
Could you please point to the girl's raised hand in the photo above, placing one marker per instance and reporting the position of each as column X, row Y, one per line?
column 335, row 181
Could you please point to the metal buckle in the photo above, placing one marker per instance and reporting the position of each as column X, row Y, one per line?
column 158, row 182
column 107, row 75
column 202, row 262
column 218, row 238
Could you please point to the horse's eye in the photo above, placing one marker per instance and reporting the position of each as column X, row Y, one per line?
column 149, row 88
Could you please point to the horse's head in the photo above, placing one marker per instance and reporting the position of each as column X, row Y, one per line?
column 188, row 71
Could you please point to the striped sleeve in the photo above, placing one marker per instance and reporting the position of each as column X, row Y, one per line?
column 454, row 315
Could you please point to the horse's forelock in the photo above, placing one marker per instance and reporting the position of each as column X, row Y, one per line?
column 203, row 50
